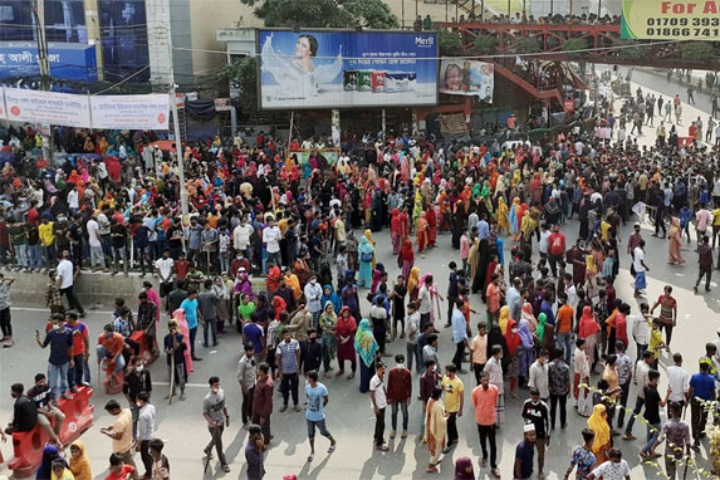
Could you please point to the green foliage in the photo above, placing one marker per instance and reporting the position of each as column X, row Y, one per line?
column 575, row 44
column 698, row 51
column 486, row 45
column 449, row 43
column 372, row 14
column 637, row 52
column 244, row 73
column 527, row 45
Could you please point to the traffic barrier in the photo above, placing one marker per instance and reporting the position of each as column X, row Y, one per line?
column 685, row 141
column 28, row 446
column 146, row 347
column 114, row 387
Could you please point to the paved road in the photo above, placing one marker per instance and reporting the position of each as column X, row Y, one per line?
column 349, row 413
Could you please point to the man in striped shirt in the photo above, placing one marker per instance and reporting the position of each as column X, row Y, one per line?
column 288, row 358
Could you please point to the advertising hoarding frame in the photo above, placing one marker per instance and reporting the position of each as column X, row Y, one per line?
column 433, row 57
column 670, row 20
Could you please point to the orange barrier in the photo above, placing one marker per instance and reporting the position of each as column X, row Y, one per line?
column 146, row 347
column 685, row 141
column 117, row 383
column 28, row 446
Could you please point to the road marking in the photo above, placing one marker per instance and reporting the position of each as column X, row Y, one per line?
column 191, row 385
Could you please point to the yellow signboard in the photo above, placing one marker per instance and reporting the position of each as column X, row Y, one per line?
column 671, row 19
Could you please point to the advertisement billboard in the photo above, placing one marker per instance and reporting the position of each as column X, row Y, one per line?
column 33, row 106
column 343, row 69
column 468, row 78
column 670, row 20
column 3, row 112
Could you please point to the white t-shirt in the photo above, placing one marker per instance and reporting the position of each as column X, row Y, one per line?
column 377, row 387
column 165, row 266
column 72, row 199
column 543, row 245
column 65, row 270
column 271, row 239
column 424, row 298
column 639, row 258
column 611, row 471
column 93, row 233
column 679, row 383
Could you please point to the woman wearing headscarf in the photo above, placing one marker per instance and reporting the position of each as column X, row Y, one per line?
column 528, row 315
column 588, row 329
column 79, row 461
column 503, row 319
column 527, row 344
column 431, row 217
column 501, row 217
column 473, row 258
column 548, row 338
column 435, row 428
column 371, row 241
column 603, row 439
column 464, row 469
column 349, row 295
column 366, row 257
column 514, row 346
column 421, row 233
column 367, row 349
column 345, row 331
column 413, row 284
column 675, row 242
column 50, row 454
column 515, row 218
column 329, row 295
column 406, row 257
column 328, row 326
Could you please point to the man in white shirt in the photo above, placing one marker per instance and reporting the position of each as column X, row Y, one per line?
column 97, row 257
column 538, row 378
column 65, row 280
column 678, row 382
column 164, row 268
column 425, row 300
column 640, row 268
column 145, row 430
column 378, row 395
column 313, row 295
column 642, row 369
column 73, row 200
column 271, row 240
column 242, row 235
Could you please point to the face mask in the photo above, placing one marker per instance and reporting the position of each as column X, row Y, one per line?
column 400, row 365
column 56, row 326
column 216, row 390
column 140, row 368
column 514, row 330
column 313, row 282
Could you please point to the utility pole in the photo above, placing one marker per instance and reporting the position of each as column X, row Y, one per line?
column 44, row 65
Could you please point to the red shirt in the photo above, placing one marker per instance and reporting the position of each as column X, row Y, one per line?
column 399, row 384
column 33, row 217
column 556, row 243
column 124, row 474
column 181, row 269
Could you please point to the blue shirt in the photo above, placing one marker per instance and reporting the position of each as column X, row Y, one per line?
column 190, row 307
column 254, row 334
column 59, row 343
column 255, row 462
column 546, row 308
column 525, row 452
column 483, row 229
column 459, row 329
column 703, row 385
column 315, row 410
column 453, row 290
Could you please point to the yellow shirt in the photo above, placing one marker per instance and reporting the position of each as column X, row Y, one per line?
column 123, row 424
column 283, row 226
column 605, row 230
column 45, row 232
column 454, row 391
column 655, row 341
column 716, row 217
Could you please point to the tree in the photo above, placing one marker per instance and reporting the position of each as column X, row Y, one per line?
column 244, row 73
column 449, row 43
column 527, row 45
column 698, row 51
column 372, row 14
column 486, row 45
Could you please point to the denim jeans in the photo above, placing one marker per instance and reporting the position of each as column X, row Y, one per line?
column 97, row 257
column 193, row 333
column 21, row 256
column 210, row 324
column 564, row 341
column 58, row 373
column 120, row 254
column 653, row 431
column 413, row 352
column 639, row 402
column 103, row 353
column 35, row 256
column 393, row 417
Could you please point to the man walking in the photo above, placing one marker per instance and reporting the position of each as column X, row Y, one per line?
column 538, row 377
column 454, row 401
column 702, row 390
column 705, row 263
column 378, row 396
column 216, row 414
column 399, row 393
column 246, row 376
column 668, row 311
column 207, row 306
column 263, row 401
column 537, row 412
column 484, row 398
column 61, row 357
column 317, row 399
column 677, row 434
column 459, row 335
column 642, row 369
column 190, row 307
column 145, row 430
column 559, row 388
column 121, row 434
column 66, row 281
column 287, row 357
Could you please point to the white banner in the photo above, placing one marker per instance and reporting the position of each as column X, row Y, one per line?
column 130, row 112
column 33, row 106
column 3, row 112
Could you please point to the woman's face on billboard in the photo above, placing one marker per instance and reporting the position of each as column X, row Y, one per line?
column 302, row 48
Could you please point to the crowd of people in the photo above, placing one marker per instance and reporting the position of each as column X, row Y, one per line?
column 554, row 329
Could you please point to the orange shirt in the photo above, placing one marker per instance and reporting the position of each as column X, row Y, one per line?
column 493, row 298
column 114, row 344
column 484, row 402
column 564, row 319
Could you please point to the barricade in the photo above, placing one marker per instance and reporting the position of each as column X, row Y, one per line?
column 117, row 383
column 146, row 347
column 28, row 446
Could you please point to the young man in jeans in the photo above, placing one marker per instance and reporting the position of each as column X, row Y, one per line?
column 62, row 353
column 399, row 393
column 288, row 360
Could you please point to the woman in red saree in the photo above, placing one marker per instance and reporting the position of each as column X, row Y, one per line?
column 345, row 332
column 422, row 232
column 431, row 217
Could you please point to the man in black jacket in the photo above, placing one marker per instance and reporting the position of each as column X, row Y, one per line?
column 536, row 411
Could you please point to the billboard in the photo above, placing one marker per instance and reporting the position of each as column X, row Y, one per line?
column 130, row 112
column 665, row 20
column 468, row 78
column 342, row 69
column 33, row 106
column 3, row 112
column 68, row 61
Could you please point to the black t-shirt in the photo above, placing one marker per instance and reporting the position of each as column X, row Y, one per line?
column 119, row 235
column 399, row 301
column 652, row 405
column 25, row 414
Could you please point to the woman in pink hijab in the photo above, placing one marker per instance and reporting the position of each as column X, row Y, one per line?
column 179, row 316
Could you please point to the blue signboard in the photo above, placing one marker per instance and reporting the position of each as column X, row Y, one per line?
column 68, row 61
column 344, row 69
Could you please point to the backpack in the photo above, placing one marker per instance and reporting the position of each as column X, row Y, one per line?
column 366, row 257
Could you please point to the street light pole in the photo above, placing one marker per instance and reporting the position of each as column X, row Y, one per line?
column 44, row 66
